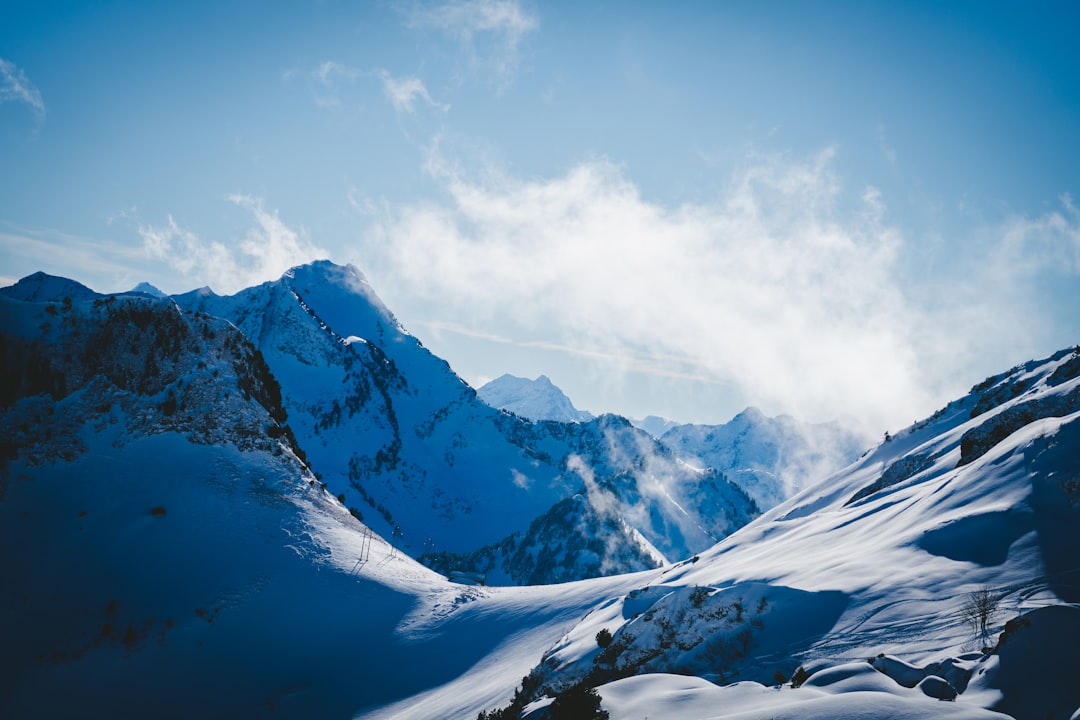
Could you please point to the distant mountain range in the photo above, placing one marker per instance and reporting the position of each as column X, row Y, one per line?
column 771, row 458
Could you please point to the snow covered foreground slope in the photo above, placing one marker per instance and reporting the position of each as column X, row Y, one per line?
column 876, row 564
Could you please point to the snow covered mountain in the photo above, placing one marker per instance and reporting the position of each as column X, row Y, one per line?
column 537, row 399
column 772, row 458
column 408, row 446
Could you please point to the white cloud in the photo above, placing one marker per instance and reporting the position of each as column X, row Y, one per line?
column 268, row 250
column 777, row 287
column 401, row 92
column 15, row 86
column 489, row 32
column 1048, row 242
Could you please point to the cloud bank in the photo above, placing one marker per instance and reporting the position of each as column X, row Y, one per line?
column 781, row 287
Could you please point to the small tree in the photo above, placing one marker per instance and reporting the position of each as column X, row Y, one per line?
column 579, row 702
column 979, row 609
column 603, row 638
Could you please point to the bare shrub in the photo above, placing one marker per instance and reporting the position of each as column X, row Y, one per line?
column 979, row 609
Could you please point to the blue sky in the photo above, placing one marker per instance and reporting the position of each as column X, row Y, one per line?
column 828, row 208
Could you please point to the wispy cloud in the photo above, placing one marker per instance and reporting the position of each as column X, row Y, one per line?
column 268, row 250
column 404, row 90
column 684, row 368
column 105, row 265
column 489, row 32
column 16, row 87
column 783, row 286
column 1048, row 242
column 326, row 80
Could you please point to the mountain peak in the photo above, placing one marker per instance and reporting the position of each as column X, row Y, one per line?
column 751, row 415
column 348, row 274
column 148, row 289
column 204, row 292
column 538, row 399
column 42, row 287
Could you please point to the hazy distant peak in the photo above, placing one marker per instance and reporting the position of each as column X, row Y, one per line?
column 148, row 289
column 538, row 399
column 204, row 292
column 654, row 425
column 752, row 414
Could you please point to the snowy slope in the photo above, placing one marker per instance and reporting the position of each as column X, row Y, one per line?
column 168, row 554
column 161, row 535
column 537, row 399
column 879, row 561
column 772, row 458
column 418, row 455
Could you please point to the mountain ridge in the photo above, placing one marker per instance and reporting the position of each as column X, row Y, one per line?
column 412, row 450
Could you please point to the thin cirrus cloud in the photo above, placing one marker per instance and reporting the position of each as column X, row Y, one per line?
column 16, row 87
column 67, row 254
column 268, row 249
column 776, row 287
column 489, row 32
column 683, row 368
column 402, row 92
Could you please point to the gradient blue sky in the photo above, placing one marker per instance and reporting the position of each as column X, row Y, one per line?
column 823, row 208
